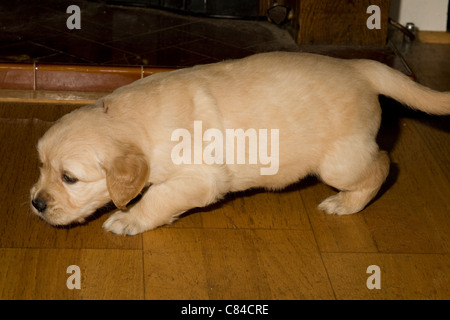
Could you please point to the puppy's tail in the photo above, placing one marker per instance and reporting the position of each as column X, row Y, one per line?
column 398, row 86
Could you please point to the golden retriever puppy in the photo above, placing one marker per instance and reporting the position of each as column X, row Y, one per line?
column 183, row 139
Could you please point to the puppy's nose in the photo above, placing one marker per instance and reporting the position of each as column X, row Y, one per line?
column 39, row 204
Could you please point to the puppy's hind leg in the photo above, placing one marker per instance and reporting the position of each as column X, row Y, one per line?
column 162, row 204
column 358, row 182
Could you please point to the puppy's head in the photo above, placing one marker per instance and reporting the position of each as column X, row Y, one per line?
column 85, row 163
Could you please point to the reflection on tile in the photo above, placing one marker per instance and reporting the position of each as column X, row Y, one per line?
column 238, row 34
column 169, row 57
column 81, row 48
column 153, row 41
column 217, row 49
column 23, row 52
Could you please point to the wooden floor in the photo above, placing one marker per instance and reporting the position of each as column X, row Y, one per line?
column 254, row 245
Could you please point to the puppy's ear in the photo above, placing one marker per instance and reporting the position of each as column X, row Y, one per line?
column 126, row 176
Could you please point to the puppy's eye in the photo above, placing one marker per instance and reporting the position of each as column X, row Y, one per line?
column 68, row 179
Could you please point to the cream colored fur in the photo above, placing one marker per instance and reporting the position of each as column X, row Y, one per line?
column 326, row 110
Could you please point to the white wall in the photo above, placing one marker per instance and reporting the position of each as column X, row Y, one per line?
column 428, row 15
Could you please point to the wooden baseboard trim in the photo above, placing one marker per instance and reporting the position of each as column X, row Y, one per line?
column 70, row 77
column 441, row 37
column 46, row 96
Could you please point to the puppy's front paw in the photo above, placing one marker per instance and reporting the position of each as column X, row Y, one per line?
column 123, row 223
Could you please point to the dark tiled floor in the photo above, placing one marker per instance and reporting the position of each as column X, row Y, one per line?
column 35, row 31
